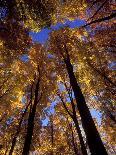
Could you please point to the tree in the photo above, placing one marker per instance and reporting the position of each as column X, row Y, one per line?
column 46, row 100
column 73, row 115
column 93, row 138
column 40, row 78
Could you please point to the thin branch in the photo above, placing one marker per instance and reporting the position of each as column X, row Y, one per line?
column 101, row 74
column 98, row 10
column 5, row 93
column 71, row 99
column 93, row 4
column 111, row 16
column 68, row 90
column 65, row 106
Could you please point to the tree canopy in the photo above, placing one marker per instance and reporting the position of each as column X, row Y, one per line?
column 57, row 98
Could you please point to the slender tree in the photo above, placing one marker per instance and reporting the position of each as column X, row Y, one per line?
column 31, row 117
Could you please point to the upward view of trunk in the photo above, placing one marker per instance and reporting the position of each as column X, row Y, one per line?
column 83, row 147
column 93, row 138
column 75, row 120
column 52, row 135
column 73, row 141
column 17, row 132
column 19, row 126
column 30, row 126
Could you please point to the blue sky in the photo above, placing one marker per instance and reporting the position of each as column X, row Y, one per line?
column 43, row 35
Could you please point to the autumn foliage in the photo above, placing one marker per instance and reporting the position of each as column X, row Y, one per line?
column 57, row 98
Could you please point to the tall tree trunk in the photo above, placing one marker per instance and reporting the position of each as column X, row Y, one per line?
column 74, row 118
column 52, row 135
column 19, row 126
column 73, row 141
column 93, row 138
column 30, row 127
column 17, row 132
column 83, row 147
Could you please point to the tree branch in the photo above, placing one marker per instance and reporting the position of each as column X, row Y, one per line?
column 65, row 106
column 112, row 15
column 98, row 10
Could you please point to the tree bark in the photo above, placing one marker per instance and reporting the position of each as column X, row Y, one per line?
column 93, row 138
column 19, row 126
column 17, row 133
column 83, row 147
column 30, row 127
column 73, row 141
column 52, row 134
column 74, row 118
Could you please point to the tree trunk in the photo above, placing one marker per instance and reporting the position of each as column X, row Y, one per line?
column 17, row 132
column 74, row 118
column 93, row 138
column 52, row 135
column 73, row 141
column 83, row 147
column 19, row 126
column 30, row 127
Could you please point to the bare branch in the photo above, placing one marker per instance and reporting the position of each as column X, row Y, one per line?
column 98, row 10
column 111, row 16
column 71, row 115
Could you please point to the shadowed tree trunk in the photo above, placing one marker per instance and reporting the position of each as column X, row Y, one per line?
column 17, row 132
column 30, row 126
column 83, row 147
column 52, row 134
column 73, row 141
column 19, row 126
column 93, row 138
column 74, row 118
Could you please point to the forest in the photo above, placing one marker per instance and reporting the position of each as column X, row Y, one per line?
column 57, row 77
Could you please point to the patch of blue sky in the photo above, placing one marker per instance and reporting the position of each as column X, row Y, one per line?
column 45, row 121
column 10, row 120
column 3, row 12
column 24, row 58
column 75, row 23
column 50, row 56
column 96, row 114
column 57, row 26
column 51, row 109
column 94, row 97
column 24, row 100
column 43, row 35
column 112, row 65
